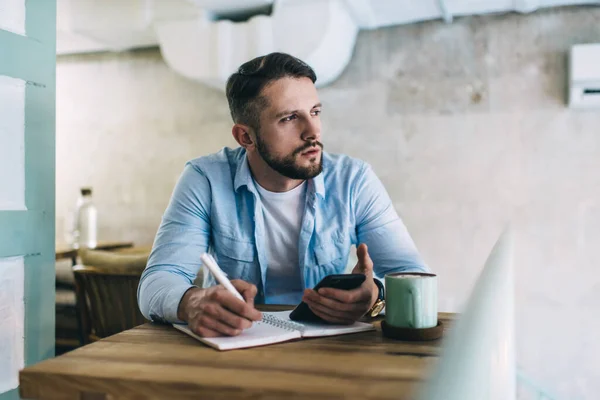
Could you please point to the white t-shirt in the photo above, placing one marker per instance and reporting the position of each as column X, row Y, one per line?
column 283, row 220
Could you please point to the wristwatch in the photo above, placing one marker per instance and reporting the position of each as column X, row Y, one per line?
column 380, row 302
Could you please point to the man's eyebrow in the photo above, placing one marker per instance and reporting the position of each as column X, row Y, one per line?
column 289, row 112
column 284, row 113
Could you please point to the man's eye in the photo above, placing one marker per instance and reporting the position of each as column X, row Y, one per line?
column 316, row 112
column 290, row 118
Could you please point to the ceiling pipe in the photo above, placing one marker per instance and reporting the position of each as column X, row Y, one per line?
column 204, row 39
column 214, row 49
column 446, row 14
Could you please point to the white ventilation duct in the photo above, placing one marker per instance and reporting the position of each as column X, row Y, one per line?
column 114, row 25
column 233, row 9
column 213, row 50
column 199, row 40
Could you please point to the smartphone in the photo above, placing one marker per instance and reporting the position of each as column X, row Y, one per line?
column 343, row 281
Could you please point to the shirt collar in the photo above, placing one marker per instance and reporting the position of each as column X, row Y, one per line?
column 243, row 177
column 318, row 184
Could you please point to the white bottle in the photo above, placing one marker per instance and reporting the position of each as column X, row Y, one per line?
column 71, row 225
column 87, row 221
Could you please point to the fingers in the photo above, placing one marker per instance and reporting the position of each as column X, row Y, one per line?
column 348, row 307
column 328, row 314
column 217, row 312
column 246, row 289
column 228, row 301
column 364, row 264
column 358, row 295
column 340, row 305
column 207, row 326
column 216, row 319
column 205, row 332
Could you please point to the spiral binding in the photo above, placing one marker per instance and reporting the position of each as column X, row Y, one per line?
column 280, row 323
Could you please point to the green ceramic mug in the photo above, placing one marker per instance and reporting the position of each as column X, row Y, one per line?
column 411, row 300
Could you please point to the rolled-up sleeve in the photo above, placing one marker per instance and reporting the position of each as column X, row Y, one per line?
column 378, row 226
column 183, row 235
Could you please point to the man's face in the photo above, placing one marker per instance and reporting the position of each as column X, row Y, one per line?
column 290, row 128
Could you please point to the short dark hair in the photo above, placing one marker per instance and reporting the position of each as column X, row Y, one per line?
column 244, row 87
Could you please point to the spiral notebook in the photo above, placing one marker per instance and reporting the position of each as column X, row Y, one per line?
column 276, row 327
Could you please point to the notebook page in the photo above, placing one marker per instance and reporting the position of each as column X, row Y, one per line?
column 259, row 334
column 315, row 330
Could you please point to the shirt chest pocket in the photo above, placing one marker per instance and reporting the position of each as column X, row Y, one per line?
column 236, row 258
column 331, row 256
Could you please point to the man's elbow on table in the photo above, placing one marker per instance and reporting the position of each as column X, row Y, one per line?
column 159, row 294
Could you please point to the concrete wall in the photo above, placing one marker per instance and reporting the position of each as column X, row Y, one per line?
column 466, row 124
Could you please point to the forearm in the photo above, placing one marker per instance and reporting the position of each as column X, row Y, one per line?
column 160, row 292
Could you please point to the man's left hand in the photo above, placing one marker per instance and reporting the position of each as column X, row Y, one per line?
column 346, row 306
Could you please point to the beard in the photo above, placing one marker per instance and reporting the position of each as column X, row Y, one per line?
column 287, row 165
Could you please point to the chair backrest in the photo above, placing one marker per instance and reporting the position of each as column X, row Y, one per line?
column 107, row 293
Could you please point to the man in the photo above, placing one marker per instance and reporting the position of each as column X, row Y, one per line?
column 278, row 213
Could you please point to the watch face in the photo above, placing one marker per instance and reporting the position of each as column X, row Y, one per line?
column 377, row 308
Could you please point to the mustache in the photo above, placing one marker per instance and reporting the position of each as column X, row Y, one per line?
column 307, row 146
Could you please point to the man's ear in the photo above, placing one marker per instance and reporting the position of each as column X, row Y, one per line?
column 241, row 134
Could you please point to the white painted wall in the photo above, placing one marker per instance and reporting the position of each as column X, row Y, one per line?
column 27, row 110
column 12, row 197
column 12, row 16
column 12, row 322
column 12, row 137
column 466, row 124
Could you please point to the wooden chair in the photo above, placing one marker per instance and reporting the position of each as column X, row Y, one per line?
column 106, row 292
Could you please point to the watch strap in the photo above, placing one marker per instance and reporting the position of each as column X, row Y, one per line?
column 381, row 289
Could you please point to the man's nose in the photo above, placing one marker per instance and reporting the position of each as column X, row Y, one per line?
column 312, row 130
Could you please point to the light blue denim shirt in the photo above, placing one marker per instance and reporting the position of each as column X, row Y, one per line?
column 215, row 207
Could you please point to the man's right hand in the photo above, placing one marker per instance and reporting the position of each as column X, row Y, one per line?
column 215, row 311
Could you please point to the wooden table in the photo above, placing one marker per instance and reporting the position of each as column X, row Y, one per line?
column 156, row 361
column 66, row 251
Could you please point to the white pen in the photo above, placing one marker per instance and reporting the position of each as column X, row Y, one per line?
column 219, row 275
